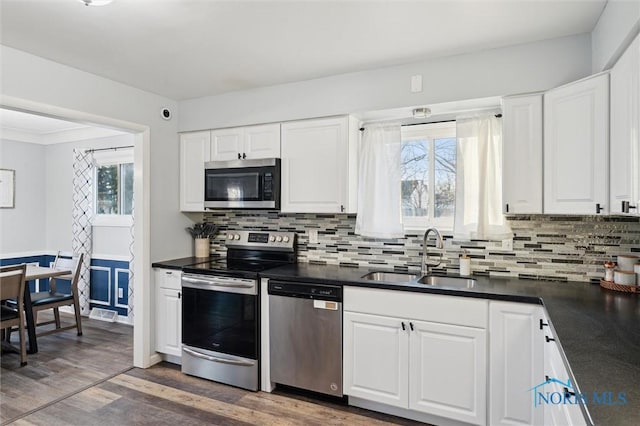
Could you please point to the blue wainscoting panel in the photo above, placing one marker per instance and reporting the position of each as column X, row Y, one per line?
column 107, row 277
column 41, row 260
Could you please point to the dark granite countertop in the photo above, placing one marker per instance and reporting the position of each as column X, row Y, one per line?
column 182, row 262
column 598, row 329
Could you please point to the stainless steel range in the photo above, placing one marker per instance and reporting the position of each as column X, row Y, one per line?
column 220, row 307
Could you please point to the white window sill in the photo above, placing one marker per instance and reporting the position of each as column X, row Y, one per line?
column 114, row 220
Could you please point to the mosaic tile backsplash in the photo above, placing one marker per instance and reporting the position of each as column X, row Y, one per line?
column 558, row 248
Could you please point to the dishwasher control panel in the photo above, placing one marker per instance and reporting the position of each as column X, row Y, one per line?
column 306, row 290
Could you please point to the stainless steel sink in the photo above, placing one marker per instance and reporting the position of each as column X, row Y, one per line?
column 394, row 277
column 458, row 282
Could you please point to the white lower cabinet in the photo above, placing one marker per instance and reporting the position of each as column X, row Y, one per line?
column 560, row 408
column 376, row 359
column 397, row 353
column 448, row 371
column 526, row 369
column 168, row 311
column 516, row 363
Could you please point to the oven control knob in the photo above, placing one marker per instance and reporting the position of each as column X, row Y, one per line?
column 285, row 239
column 272, row 238
column 236, row 237
column 229, row 236
column 278, row 238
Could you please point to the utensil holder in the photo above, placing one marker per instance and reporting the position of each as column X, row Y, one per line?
column 202, row 247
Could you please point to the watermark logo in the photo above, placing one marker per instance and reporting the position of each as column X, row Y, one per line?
column 554, row 391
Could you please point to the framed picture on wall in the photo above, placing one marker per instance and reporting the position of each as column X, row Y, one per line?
column 7, row 188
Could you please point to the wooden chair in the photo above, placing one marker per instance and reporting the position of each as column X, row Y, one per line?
column 12, row 286
column 53, row 299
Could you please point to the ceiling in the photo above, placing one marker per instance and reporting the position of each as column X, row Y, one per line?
column 185, row 49
column 25, row 127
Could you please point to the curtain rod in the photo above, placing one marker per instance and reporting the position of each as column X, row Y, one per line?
column 429, row 122
column 115, row 148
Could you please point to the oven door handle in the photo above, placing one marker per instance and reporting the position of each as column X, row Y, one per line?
column 213, row 284
column 217, row 359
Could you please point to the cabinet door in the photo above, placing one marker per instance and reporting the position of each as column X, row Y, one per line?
column 227, row 144
column 262, row 141
column 625, row 130
column 556, row 411
column 314, row 166
column 448, row 371
column 169, row 321
column 168, row 315
column 376, row 358
column 522, row 154
column 576, row 129
column 516, row 363
column 194, row 151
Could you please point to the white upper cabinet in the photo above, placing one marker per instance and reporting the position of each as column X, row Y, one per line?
column 246, row 143
column 319, row 166
column 576, row 147
column 194, row 151
column 522, row 154
column 625, row 132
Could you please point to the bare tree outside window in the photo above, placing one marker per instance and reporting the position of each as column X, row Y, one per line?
column 429, row 175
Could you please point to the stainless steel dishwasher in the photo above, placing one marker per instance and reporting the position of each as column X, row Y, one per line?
column 305, row 336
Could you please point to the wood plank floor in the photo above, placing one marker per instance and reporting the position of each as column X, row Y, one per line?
column 88, row 381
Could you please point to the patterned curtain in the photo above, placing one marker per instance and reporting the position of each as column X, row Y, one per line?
column 83, row 172
column 131, row 258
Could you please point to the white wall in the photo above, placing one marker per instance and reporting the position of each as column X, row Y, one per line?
column 616, row 28
column 497, row 72
column 22, row 229
column 111, row 241
column 32, row 78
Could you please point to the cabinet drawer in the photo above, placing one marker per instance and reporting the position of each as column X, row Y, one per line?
column 168, row 278
column 419, row 306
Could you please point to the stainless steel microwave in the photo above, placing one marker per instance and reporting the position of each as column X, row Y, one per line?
column 242, row 184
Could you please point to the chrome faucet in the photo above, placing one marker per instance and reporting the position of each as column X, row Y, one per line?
column 425, row 254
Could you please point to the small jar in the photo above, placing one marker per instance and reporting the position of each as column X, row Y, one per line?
column 608, row 271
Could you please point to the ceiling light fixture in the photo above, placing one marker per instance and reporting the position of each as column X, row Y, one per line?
column 95, row 2
column 421, row 112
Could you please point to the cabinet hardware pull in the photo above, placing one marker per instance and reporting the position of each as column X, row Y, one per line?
column 549, row 339
column 244, row 155
column 342, row 208
column 626, row 205
column 599, row 208
column 403, row 327
column 506, row 208
column 411, row 325
column 179, row 295
column 567, row 392
column 543, row 324
column 546, row 378
column 239, row 156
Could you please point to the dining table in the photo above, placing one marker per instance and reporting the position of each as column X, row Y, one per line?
column 36, row 273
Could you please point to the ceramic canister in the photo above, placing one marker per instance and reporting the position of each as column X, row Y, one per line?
column 625, row 263
column 624, row 277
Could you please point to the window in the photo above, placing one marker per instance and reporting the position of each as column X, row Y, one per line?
column 428, row 175
column 113, row 187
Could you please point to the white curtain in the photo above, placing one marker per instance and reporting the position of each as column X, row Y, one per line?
column 479, row 180
column 83, row 171
column 379, row 196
